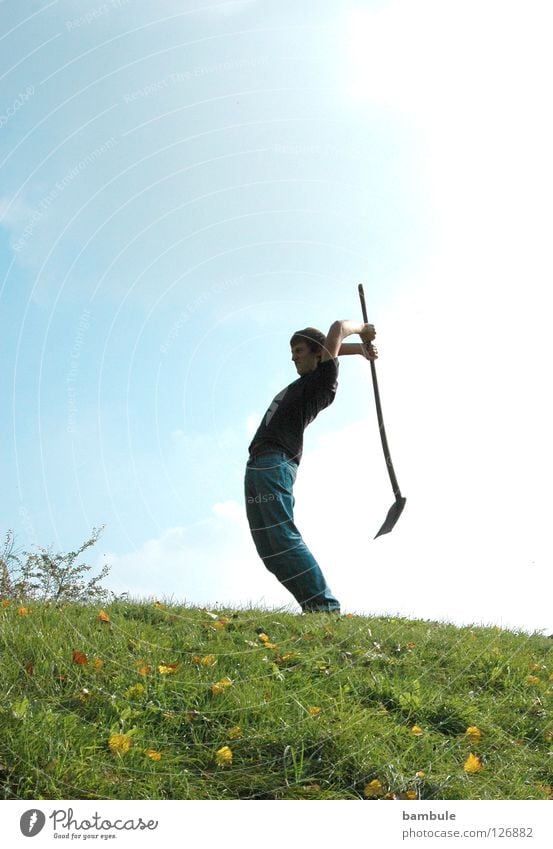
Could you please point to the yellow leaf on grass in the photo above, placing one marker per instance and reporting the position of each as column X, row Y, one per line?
column 416, row 731
column 167, row 668
column 291, row 655
column 223, row 757
column 532, row 679
column 144, row 669
column 5, row 602
column 420, row 774
column 119, row 743
column 24, row 611
column 473, row 764
column 473, row 733
column 103, row 617
column 98, row 663
column 204, row 660
column 220, row 686
column 314, row 711
column 80, row 658
column 264, row 638
column 153, row 754
column 373, row 789
column 411, row 794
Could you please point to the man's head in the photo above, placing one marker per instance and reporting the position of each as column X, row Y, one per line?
column 307, row 348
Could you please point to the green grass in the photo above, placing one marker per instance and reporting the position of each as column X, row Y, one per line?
column 372, row 680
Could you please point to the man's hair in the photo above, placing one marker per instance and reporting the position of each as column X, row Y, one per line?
column 314, row 338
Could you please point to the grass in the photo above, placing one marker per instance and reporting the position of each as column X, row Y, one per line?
column 312, row 707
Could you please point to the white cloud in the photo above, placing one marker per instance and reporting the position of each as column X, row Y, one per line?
column 13, row 213
column 209, row 562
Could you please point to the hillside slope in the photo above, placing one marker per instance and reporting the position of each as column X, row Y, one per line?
column 152, row 701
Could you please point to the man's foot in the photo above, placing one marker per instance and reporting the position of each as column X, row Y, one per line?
column 335, row 611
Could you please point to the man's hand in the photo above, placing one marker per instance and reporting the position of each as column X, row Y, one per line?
column 368, row 333
column 339, row 330
column 369, row 351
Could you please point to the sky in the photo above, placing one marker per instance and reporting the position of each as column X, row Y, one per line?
column 183, row 185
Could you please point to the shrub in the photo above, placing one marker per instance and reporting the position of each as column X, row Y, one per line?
column 47, row 576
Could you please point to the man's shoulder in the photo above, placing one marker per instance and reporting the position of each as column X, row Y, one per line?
column 325, row 368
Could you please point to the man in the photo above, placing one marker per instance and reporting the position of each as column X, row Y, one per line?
column 275, row 453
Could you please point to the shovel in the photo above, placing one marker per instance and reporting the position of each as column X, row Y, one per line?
column 396, row 509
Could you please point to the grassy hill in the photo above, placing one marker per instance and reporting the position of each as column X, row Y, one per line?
column 151, row 701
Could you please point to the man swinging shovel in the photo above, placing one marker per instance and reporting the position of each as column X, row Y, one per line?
column 275, row 453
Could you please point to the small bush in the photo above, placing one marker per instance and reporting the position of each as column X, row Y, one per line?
column 46, row 576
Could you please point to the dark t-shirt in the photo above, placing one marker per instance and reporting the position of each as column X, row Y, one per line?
column 294, row 408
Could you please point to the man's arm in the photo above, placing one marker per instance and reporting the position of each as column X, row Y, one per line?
column 340, row 330
column 366, row 349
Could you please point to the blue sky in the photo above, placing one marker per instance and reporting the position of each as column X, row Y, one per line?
column 184, row 184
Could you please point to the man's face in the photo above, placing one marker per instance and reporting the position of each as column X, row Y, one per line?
column 304, row 359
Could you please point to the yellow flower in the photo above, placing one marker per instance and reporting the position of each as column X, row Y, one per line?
column 23, row 611
column 5, row 602
column 119, row 743
column 151, row 753
column 220, row 686
column 416, row 731
column 135, row 691
column 373, row 789
column 411, row 794
column 103, row 617
column 223, row 757
column 473, row 764
column 420, row 774
column 143, row 669
column 234, row 732
column 532, row 679
column 473, row 733
column 314, row 711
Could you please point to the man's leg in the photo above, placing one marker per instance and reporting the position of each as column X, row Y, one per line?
column 268, row 486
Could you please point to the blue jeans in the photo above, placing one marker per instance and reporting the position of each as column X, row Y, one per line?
column 268, row 486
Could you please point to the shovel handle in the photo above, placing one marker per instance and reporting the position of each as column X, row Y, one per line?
column 383, row 439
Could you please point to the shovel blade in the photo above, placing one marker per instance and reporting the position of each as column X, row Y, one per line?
column 394, row 513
